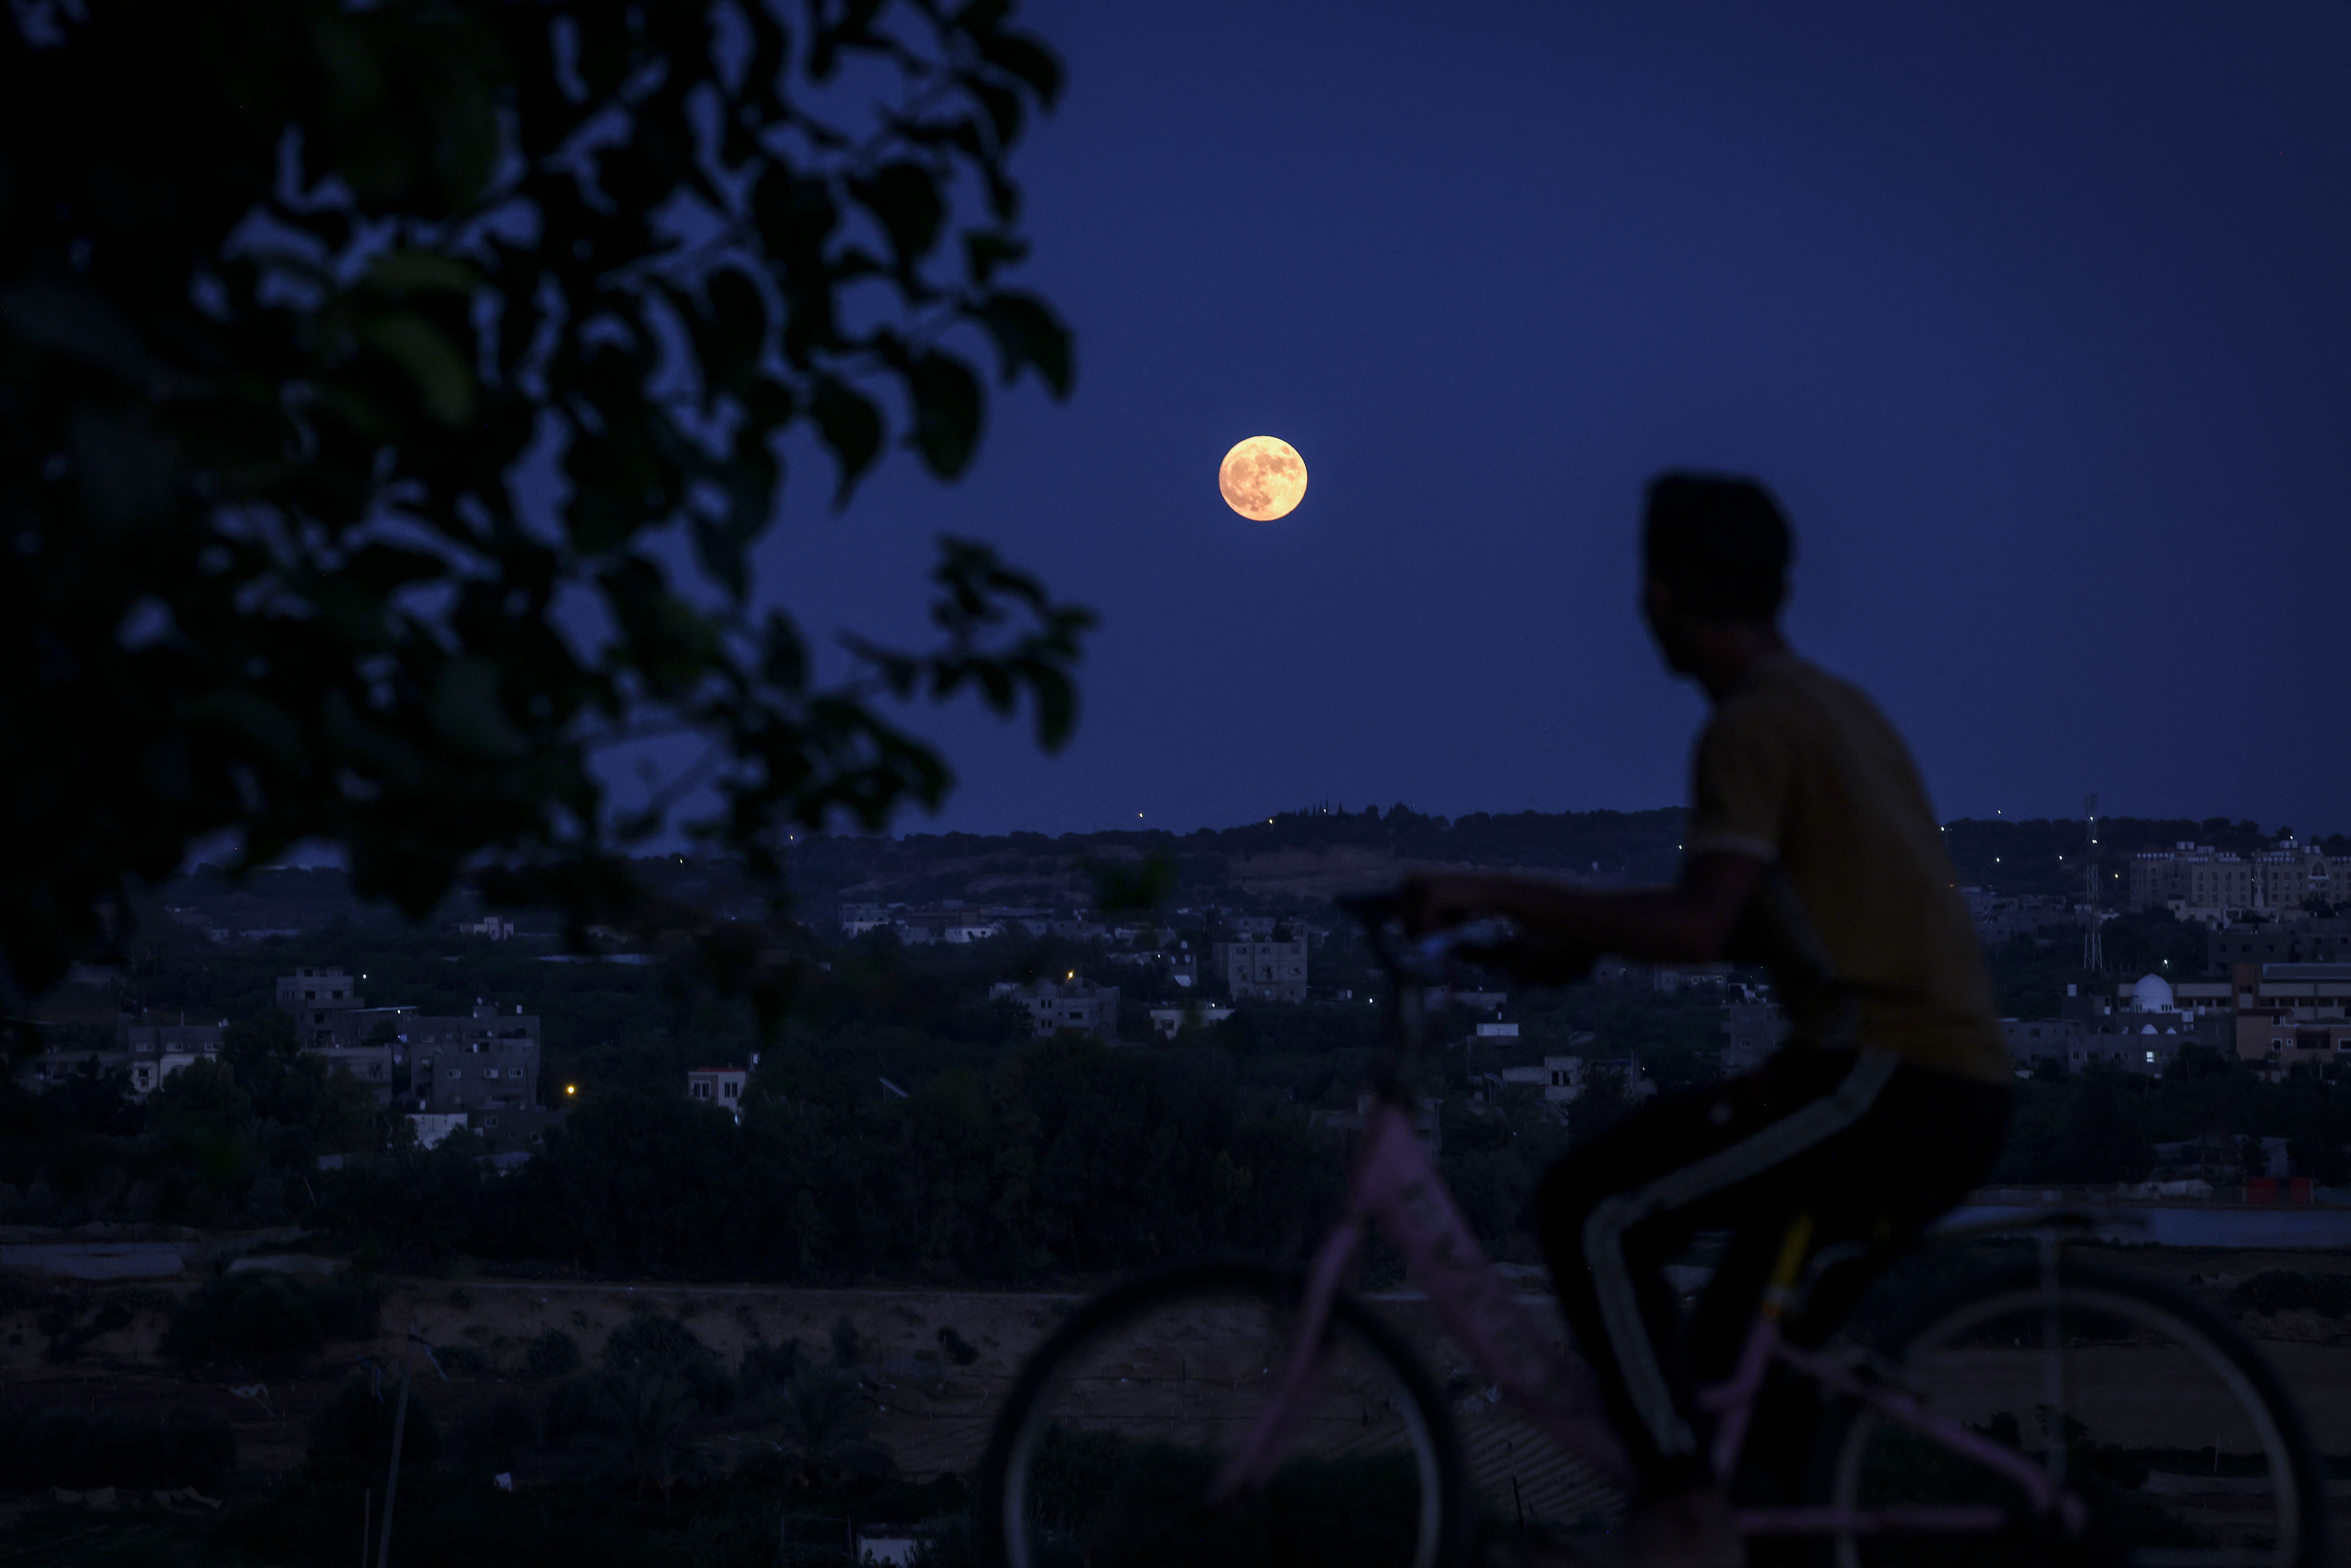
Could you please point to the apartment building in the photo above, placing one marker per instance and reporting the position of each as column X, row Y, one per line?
column 2198, row 881
column 489, row 1061
column 2288, row 1014
column 1068, row 1004
column 1266, row 969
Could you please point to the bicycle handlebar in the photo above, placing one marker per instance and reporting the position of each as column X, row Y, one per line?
column 1423, row 957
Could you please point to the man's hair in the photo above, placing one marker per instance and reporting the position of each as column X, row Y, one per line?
column 1719, row 542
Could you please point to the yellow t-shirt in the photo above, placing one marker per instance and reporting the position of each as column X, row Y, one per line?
column 1799, row 770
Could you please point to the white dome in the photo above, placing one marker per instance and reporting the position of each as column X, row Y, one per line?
column 2151, row 994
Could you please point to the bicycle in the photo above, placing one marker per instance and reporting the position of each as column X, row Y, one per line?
column 1233, row 1413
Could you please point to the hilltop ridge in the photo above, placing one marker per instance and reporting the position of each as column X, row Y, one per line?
column 1289, row 859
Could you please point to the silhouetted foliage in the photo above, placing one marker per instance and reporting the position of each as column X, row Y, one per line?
column 638, row 1421
column 261, row 1312
column 291, row 291
column 650, row 1343
column 553, row 1354
column 491, row 1440
column 766, row 1367
column 350, row 1437
column 55, row 1446
column 2101, row 1143
column 825, row 1423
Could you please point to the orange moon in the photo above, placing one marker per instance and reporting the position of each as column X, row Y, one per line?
column 1262, row 479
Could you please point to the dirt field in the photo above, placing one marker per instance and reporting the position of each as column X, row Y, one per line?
column 935, row 1411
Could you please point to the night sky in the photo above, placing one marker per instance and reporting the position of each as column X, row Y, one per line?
column 2037, row 317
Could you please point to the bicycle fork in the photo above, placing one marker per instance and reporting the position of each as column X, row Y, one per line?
column 1255, row 1461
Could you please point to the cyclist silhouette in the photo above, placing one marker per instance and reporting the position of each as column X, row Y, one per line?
column 1810, row 848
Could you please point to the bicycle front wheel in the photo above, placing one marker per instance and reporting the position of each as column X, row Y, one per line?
column 1106, row 1452
column 2156, row 1413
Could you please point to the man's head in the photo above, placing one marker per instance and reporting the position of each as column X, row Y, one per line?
column 1715, row 550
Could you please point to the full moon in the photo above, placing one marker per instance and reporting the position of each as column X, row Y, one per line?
column 1262, row 479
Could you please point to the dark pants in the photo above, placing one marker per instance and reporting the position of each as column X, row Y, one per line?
column 1872, row 1150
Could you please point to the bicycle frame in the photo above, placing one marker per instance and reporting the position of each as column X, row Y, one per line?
column 1395, row 1185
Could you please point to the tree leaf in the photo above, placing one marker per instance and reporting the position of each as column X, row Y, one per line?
column 465, row 711
column 1028, row 333
column 903, row 197
column 739, row 327
column 850, row 427
column 947, row 402
column 1018, row 54
column 795, row 214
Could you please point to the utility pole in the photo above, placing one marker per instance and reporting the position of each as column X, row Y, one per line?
column 2093, row 944
column 400, row 1431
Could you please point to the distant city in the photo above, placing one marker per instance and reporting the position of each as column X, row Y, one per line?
column 2257, row 942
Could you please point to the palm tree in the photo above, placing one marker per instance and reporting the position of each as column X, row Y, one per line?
column 640, row 1422
column 827, row 1425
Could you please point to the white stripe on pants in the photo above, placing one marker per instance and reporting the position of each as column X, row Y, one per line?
column 1605, row 1228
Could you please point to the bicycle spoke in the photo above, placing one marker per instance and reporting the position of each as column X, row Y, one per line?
column 2168, row 1434
column 1117, row 1460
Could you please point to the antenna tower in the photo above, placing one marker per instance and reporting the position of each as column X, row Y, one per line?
column 2093, row 944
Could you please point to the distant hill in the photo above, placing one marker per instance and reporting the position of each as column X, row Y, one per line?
column 1307, row 855
column 1294, row 858
column 2043, row 856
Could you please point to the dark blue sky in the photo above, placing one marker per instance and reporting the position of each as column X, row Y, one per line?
column 2037, row 316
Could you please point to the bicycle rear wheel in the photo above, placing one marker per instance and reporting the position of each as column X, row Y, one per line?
column 1105, row 1452
column 2173, row 1429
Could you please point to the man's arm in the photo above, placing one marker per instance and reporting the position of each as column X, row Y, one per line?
column 1689, row 923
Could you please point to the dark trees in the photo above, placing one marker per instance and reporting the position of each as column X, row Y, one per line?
column 295, row 298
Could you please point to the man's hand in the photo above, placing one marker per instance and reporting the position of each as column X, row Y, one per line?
column 1689, row 923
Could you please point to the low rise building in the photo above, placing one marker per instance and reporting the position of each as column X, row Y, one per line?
column 1560, row 1079
column 1072, row 1004
column 1268, row 970
column 1752, row 1031
column 2303, row 941
column 310, row 994
column 857, row 919
column 2273, row 1017
column 919, row 926
column 487, row 1061
column 156, row 1045
column 2292, row 1015
column 2068, row 1046
column 2003, row 917
column 2199, row 881
column 332, row 1019
column 433, row 1127
column 720, row 1086
column 1183, row 964
column 148, row 1047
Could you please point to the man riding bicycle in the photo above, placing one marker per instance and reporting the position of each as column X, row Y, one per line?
column 1810, row 848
